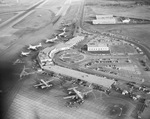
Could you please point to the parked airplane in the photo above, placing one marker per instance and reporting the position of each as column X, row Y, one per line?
column 61, row 34
column 51, row 40
column 34, row 47
column 64, row 29
column 44, row 84
column 24, row 73
column 25, row 53
column 76, row 94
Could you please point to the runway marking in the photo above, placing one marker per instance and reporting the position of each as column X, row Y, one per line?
column 64, row 8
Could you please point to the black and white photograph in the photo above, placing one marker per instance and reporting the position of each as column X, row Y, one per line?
column 74, row 59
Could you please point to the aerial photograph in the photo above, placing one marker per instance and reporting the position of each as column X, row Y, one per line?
column 74, row 59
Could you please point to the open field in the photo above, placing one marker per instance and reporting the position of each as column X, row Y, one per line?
column 6, row 16
column 36, row 20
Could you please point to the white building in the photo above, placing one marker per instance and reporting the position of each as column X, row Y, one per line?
column 105, row 21
column 126, row 21
column 97, row 47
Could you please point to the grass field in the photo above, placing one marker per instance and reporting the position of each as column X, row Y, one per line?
column 124, row 49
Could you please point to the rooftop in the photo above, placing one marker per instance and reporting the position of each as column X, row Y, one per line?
column 97, row 45
column 80, row 75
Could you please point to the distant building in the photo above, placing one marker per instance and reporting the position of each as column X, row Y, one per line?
column 105, row 19
column 97, row 47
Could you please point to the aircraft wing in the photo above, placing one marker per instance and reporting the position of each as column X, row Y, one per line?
column 68, row 97
column 78, row 93
column 46, row 82
column 38, row 84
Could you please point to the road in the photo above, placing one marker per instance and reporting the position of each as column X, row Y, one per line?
column 62, row 11
column 64, row 8
column 7, row 30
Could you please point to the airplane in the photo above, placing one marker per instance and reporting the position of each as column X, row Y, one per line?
column 25, row 53
column 51, row 40
column 76, row 94
column 34, row 47
column 24, row 73
column 44, row 84
column 62, row 34
column 63, row 29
